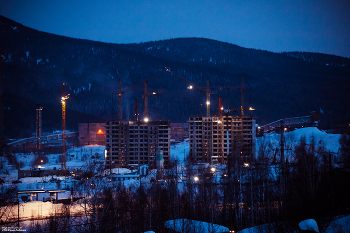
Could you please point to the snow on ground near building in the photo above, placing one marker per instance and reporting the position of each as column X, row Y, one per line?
column 76, row 157
column 179, row 152
column 331, row 141
column 194, row 226
column 272, row 140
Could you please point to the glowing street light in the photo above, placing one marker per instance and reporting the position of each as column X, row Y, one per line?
column 190, row 87
column 208, row 103
column 146, row 119
column 213, row 169
column 246, row 164
column 196, row 178
column 251, row 109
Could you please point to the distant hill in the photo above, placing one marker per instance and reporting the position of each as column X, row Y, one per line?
column 280, row 84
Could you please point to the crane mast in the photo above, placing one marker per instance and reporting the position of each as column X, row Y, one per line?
column 136, row 111
column 39, row 108
column 120, row 93
column 242, row 96
column 63, row 101
column 145, row 97
column 220, row 131
column 205, row 90
column 208, row 98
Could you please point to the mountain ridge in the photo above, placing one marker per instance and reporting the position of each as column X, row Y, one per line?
column 36, row 63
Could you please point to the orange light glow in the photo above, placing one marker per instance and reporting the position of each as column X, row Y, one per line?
column 100, row 131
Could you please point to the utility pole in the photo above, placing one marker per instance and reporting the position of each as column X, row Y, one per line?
column 63, row 101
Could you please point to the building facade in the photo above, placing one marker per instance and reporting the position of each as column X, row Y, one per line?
column 179, row 131
column 215, row 139
column 92, row 134
column 137, row 144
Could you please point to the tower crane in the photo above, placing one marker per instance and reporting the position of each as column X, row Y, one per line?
column 63, row 101
column 205, row 89
column 120, row 93
column 145, row 97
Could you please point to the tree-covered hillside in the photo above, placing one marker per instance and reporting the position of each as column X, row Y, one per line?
column 278, row 84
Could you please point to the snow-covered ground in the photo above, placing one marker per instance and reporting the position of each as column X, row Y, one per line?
column 83, row 157
column 179, row 152
column 194, row 226
column 271, row 141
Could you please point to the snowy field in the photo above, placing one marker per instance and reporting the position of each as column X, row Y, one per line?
column 85, row 157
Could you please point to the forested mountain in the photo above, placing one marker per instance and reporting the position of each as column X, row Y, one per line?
column 278, row 84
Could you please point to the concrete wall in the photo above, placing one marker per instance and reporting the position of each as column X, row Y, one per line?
column 92, row 133
column 179, row 131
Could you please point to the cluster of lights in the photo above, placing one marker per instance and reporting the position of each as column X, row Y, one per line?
column 63, row 99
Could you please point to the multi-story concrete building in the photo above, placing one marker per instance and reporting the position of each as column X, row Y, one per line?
column 212, row 139
column 179, row 131
column 137, row 144
column 92, row 133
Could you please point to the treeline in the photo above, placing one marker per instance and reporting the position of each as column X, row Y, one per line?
column 271, row 195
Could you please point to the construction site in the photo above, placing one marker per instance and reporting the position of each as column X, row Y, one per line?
column 213, row 139
column 137, row 142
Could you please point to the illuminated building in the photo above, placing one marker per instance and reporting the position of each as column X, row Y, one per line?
column 213, row 138
column 139, row 143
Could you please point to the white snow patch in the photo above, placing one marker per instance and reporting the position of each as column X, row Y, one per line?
column 194, row 226
column 309, row 224
column 339, row 225
column 179, row 152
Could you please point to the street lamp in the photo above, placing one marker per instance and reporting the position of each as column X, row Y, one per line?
column 196, row 178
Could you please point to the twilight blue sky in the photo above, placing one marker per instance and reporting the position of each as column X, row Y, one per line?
column 274, row 25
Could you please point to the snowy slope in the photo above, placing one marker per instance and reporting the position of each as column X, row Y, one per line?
column 271, row 141
column 179, row 152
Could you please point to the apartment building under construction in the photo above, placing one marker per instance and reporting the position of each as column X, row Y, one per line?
column 215, row 139
column 137, row 144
